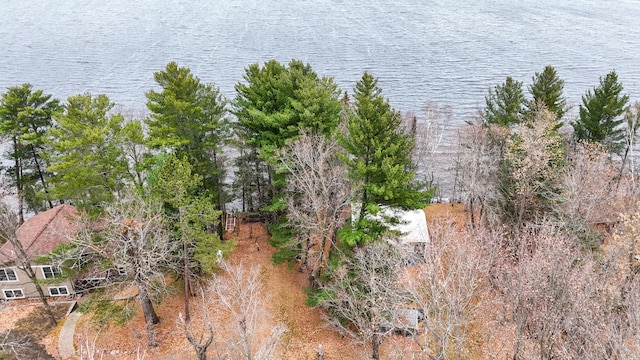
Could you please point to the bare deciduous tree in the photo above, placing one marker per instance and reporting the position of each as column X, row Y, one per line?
column 532, row 165
column 134, row 238
column 19, row 343
column 448, row 288
column 14, row 343
column 364, row 293
column 201, row 341
column 428, row 133
column 89, row 350
column 203, row 338
column 632, row 118
column 241, row 293
column 317, row 195
column 477, row 167
column 588, row 193
column 623, row 266
column 556, row 298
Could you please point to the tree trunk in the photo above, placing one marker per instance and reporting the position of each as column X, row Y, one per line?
column 375, row 346
column 150, row 316
column 23, row 261
column 306, row 244
column 187, row 290
column 624, row 160
column 47, row 309
column 472, row 213
column 45, row 303
column 151, row 331
column 41, row 175
column 146, row 304
column 202, row 346
column 315, row 272
column 18, row 178
column 258, row 185
column 245, row 339
column 218, row 177
column 202, row 353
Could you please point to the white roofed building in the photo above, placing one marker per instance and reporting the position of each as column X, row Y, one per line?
column 408, row 228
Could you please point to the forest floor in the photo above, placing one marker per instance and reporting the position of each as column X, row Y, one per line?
column 306, row 328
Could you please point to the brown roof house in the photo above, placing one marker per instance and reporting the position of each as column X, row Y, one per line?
column 39, row 235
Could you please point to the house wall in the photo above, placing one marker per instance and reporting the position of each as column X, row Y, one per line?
column 28, row 288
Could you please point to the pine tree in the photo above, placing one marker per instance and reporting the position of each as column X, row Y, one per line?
column 547, row 90
column 272, row 106
column 505, row 104
column 189, row 117
column 25, row 117
column 192, row 218
column 86, row 156
column 601, row 114
column 378, row 158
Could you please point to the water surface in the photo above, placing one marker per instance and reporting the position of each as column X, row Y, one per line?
column 449, row 52
column 443, row 51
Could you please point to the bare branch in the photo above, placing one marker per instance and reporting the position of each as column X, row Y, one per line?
column 134, row 238
column 14, row 343
column 448, row 289
column 364, row 294
column 241, row 292
column 317, row 195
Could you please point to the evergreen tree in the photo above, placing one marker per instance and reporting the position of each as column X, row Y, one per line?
column 86, row 155
column 192, row 218
column 25, row 117
column 272, row 106
column 547, row 90
column 189, row 117
column 601, row 114
column 378, row 158
column 173, row 183
column 505, row 104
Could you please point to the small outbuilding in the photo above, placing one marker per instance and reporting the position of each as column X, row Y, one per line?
column 408, row 228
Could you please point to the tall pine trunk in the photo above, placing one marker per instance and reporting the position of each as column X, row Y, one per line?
column 18, row 177
column 41, row 175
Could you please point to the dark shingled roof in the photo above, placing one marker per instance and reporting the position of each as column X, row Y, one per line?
column 43, row 233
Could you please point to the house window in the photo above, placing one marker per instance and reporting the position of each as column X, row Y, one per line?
column 7, row 274
column 58, row 291
column 13, row 294
column 50, row 272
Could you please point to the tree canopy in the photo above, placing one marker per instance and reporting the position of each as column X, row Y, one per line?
column 193, row 218
column 505, row 104
column 25, row 117
column 86, row 159
column 189, row 117
column 538, row 204
column 547, row 90
column 378, row 158
column 273, row 104
column 601, row 113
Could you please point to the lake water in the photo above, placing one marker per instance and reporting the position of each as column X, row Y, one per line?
column 449, row 52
